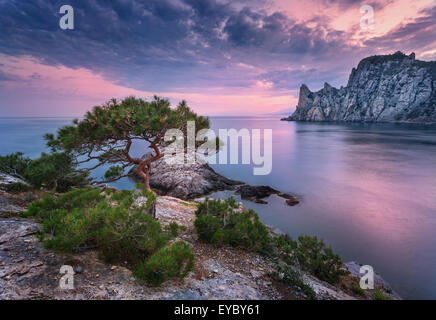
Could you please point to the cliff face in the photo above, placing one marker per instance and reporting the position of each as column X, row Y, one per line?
column 390, row 88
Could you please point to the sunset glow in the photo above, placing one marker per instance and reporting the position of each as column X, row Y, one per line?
column 251, row 58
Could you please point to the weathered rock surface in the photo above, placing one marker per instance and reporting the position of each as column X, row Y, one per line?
column 10, row 204
column 187, row 181
column 7, row 180
column 390, row 88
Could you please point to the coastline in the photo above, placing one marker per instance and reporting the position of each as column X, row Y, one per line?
column 220, row 273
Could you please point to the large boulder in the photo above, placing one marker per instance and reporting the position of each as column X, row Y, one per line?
column 186, row 181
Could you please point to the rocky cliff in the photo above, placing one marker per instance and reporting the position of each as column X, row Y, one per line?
column 389, row 88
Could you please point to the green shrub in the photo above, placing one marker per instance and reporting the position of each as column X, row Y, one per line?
column 289, row 276
column 111, row 221
column 14, row 163
column 216, row 207
column 17, row 187
column 357, row 290
column 319, row 260
column 378, row 295
column 219, row 222
column 54, row 170
column 175, row 261
column 207, row 226
column 173, row 229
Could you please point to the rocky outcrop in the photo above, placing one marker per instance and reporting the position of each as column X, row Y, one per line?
column 10, row 203
column 186, row 181
column 191, row 181
column 258, row 193
column 7, row 180
column 389, row 88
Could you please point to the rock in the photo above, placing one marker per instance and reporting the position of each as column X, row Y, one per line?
column 260, row 201
column 10, row 203
column 78, row 269
column 292, row 202
column 186, row 181
column 6, row 180
column 389, row 88
column 257, row 193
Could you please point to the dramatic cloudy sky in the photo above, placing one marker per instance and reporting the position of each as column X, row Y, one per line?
column 225, row 57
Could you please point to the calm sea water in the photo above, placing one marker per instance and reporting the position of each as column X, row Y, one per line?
column 368, row 190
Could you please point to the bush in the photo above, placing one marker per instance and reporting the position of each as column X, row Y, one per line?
column 175, row 261
column 54, row 170
column 357, row 290
column 289, row 276
column 17, row 187
column 111, row 221
column 219, row 222
column 14, row 163
column 378, row 295
column 207, row 226
column 318, row 259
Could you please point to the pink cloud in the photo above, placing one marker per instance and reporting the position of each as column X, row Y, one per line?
column 38, row 89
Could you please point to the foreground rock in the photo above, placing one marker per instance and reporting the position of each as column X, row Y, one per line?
column 390, row 88
column 193, row 181
column 10, row 204
column 186, row 181
column 7, row 180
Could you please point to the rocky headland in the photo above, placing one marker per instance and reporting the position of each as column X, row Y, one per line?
column 387, row 88
column 191, row 181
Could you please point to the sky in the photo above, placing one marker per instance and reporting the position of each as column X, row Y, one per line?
column 238, row 57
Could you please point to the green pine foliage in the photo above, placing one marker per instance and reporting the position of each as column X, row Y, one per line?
column 318, row 259
column 219, row 222
column 105, row 135
column 114, row 223
column 14, row 164
column 175, row 261
column 54, row 171
column 290, row 276
column 379, row 295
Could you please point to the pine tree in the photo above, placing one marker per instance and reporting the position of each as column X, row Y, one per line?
column 105, row 135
